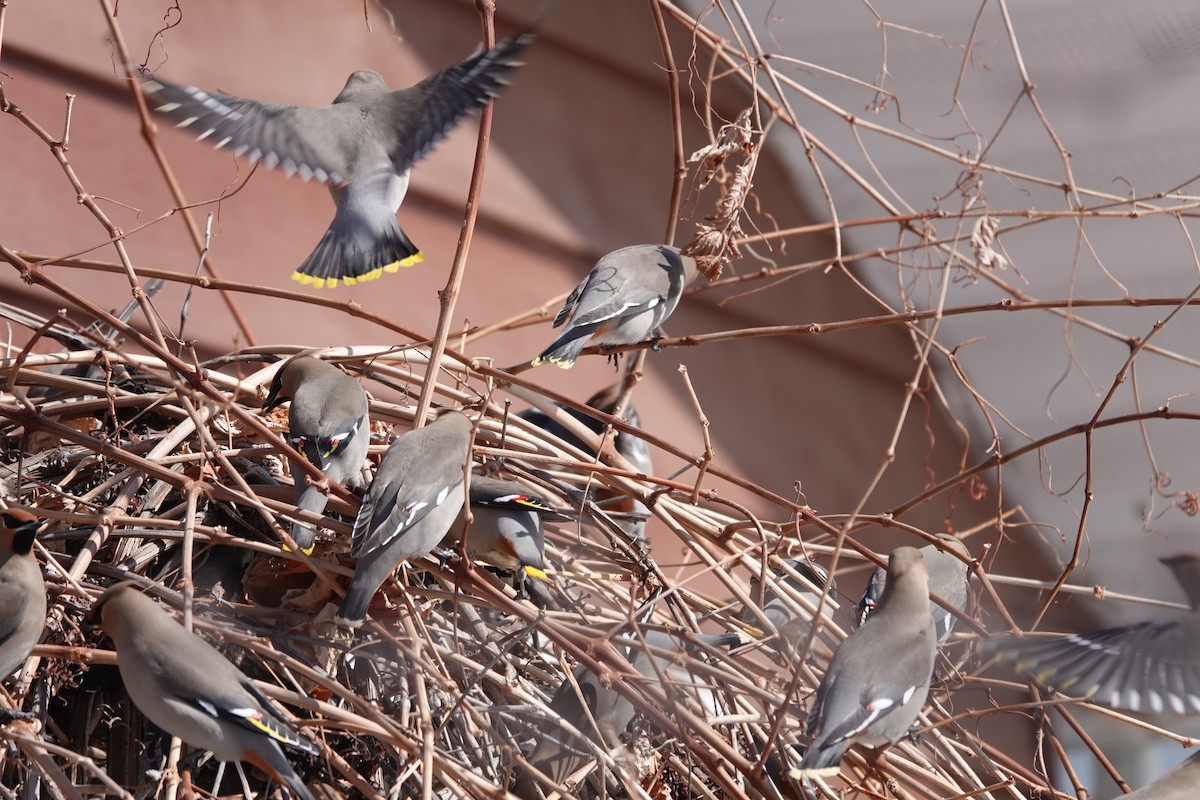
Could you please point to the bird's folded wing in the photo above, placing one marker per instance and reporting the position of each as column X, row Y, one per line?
column 569, row 304
column 874, row 704
column 385, row 514
column 253, row 714
column 13, row 600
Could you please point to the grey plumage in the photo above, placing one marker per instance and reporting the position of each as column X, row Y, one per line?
column 22, row 591
column 948, row 579
column 1144, row 667
column 878, row 679
column 792, row 627
column 628, row 294
column 506, row 529
column 559, row 753
column 409, row 507
column 362, row 145
column 187, row 688
column 328, row 423
column 1181, row 783
column 633, row 449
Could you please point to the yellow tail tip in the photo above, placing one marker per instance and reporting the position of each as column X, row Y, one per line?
column 534, row 572
column 756, row 633
column 820, row 772
column 561, row 363
column 351, row 280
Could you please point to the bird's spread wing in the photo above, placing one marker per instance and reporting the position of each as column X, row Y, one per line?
column 422, row 115
column 1146, row 667
column 319, row 449
column 308, row 142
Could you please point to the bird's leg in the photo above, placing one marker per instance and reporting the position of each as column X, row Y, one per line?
column 446, row 555
column 655, row 338
column 611, row 356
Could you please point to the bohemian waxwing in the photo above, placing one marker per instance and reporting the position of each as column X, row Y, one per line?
column 22, row 591
column 559, row 753
column 506, row 527
column 362, row 146
column 878, row 679
column 1143, row 667
column 187, row 688
column 409, row 507
column 628, row 294
column 948, row 579
column 327, row 423
column 792, row 627
column 633, row 449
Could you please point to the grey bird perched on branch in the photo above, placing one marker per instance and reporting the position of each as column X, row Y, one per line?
column 506, row 530
column 628, row 294
column 633, row 449
column 22, row 591
column 792, row 627
column 362, row 146
column 187, row 688
column 1144, row 667
column 409, row 507
column 948, row 579
column 878, row 679
column 328, row 423
column 560, row 754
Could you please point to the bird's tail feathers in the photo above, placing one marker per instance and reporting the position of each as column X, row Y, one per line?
column 565, row 349
column 355, row 249
column 537, row 586
column 354, row 606
column 819, row 761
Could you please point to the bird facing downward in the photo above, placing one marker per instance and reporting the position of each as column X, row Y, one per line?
column 416, row 494
column 22, row 591
column 506, row 531
column 631, row 514
column 878, row 679
column 628, row 294
column 187, row 688
column 327, row 423
column 362, row 145
column 1144, row 667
